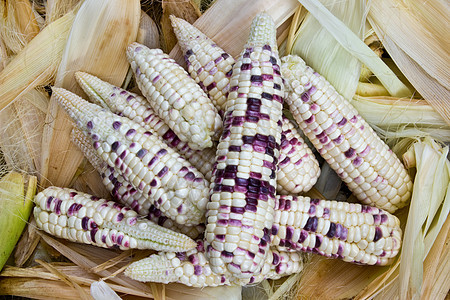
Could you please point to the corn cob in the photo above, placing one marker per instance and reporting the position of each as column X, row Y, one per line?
column 349, row 231
column 137, row 109
column 208, row 64
column 80, row 217
column 298, row 169
column 344, row 139
column 211, row 67
column 240, row 211
column 174, row 96
column 125, row 193
column 152, row 168
column 192, row 268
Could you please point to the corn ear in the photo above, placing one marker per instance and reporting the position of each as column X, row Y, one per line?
column 90, row 47
column 242, row 13
column 16, row 193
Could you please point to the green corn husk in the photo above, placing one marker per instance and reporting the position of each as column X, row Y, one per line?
column 16, row 193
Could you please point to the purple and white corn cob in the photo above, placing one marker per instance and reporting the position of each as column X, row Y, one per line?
column 152, row 168
column 192, row 268
column 82, row 218
column 344, row 139
column 124, row 193
column 240, row 211
column 137, row 109
column 298, row 169
column 174, row 96
column 212, row 68
column 349, row 231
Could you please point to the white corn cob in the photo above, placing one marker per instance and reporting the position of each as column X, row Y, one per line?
column 349, row 231
column 212, row 67
column 174, row 96
column 298, row 169
column 171, row 183
column 208, row 64
column 125, row 193
column 349, row 145
column 80, row 217
column 192, row 268
column 137, row 109
column 240, row 211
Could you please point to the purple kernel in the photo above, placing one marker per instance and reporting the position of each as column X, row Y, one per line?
column 89, row 125
column 220, row 237
column 116, row 125
column 246, row 67
column 72, row 194
column 153, row 182
column 378, row 234
column 115, row 145
column 311, row 224
column 273, row 60
column 256, row 79
column 84, row 223
column 234, row 222
column 197, row 270
column 357, row 161
column 92, row 233
column 289, row 232
column 312, row 210
column 384, row 218
column 310, row 119
column 49, row 201
column 349, row 153
column 141, row 153
column 318, row 241
column 331, row 232
column 130, row 132
column 152, row 161
column 267, row 47
column 119, row 217
column 226, row 254
column 342, row 122
column 58, row 207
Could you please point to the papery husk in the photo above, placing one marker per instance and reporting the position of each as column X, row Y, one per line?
column 394, row 117
column 90, row 48
column 18, row 24
column 228, row 22
column 148, row 33
column 54, row 9
column 420, row 52
column 184, row 9
column 37, row 63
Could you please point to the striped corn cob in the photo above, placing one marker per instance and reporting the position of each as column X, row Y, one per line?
column 192, row 268
column 240, row 211
column 212, row 67
column 80, row 217
column 125, row 193
column 174, row 96
column 298, row 169
column 154, row 169
column 349, row 231
column 208, row 64
column 349, row 145
column 137, row 109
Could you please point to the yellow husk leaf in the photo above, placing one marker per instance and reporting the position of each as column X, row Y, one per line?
column 357, row 48
column 97, row 44
column 228, row 22
column 324, row 54
column 36, row 64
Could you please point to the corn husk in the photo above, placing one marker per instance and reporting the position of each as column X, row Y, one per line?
column 16, row 192
column 421, row 52
column 324, row 54
column 349, row 41
column 37, row 63
column 90, row 48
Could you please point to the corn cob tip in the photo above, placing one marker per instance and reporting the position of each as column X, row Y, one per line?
column 263, row 32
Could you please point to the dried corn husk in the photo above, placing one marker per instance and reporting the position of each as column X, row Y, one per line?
column 148, row 33
column 16, row 193
column 90, row 48
column 421, row 52
column 37, row 63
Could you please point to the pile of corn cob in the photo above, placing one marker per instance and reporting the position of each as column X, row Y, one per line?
column 210, row 153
